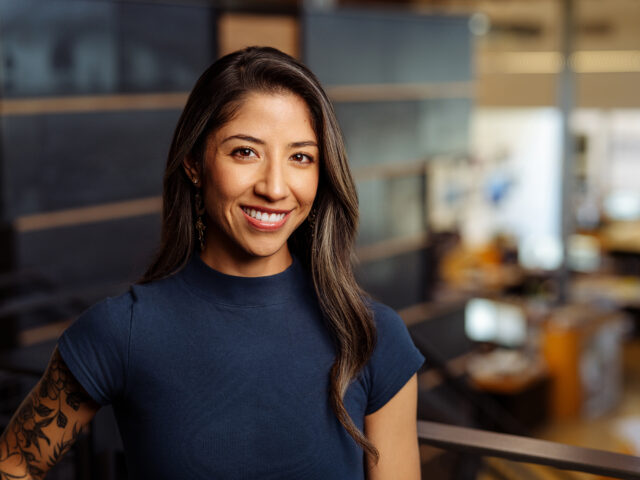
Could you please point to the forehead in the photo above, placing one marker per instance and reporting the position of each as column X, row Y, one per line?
column 273, row 115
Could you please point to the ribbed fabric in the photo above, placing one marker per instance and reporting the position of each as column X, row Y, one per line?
column 220, row 377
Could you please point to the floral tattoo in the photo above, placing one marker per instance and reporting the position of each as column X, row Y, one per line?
column 23, row 441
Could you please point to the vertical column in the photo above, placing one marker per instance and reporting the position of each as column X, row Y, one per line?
column 566, row 100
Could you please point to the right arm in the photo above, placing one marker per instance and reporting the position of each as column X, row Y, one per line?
column 46, row 424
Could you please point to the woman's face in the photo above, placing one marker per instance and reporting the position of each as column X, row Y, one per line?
column 260, row 178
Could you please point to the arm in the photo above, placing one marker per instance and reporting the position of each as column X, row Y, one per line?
column 46, row 425
column 393, row 431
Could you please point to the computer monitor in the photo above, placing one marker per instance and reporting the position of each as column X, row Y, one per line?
column 495, row 322
column 622, row 205
column 540, row 252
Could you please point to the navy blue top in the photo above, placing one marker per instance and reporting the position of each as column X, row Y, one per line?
column 216, row 376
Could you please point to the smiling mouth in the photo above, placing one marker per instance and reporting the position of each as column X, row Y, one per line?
column 263, row 216
column 265, row 220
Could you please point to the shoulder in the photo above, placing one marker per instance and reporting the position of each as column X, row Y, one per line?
column 154, row 288
column 387, row 320
column 382, row 312
column 393, row 338
column 116, row 311
column 394, row 360
column 95, row 346
column 114, row 305
column 105, row 317
column 140, row 304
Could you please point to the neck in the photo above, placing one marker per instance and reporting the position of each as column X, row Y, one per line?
column 248, row 265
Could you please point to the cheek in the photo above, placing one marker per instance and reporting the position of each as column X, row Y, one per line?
column 306, row 188
column 225, row 187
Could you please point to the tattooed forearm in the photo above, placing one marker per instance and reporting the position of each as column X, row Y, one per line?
column 9, row 456
column 63, row 446
column 46, row 425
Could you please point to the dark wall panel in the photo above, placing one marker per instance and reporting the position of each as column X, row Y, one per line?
column 398, row 281
column 71, row 47
column 364, row 47
column 381, row 132
column 58, row 47
column 391, row 208
column 397, row 132
column 54, row 162
column 97, row 253
column 164, row 47
column 444, row 125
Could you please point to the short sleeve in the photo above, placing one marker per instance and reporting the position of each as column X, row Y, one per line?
column 394, row 360
column 96, row 348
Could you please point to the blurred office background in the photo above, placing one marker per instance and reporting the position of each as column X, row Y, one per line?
column 496, row 148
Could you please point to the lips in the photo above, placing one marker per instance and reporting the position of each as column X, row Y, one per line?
column 265, row 218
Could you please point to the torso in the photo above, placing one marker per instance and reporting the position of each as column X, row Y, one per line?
column 231, row 391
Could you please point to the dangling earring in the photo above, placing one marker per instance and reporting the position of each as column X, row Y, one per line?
column 311, row 220
column 200, row 226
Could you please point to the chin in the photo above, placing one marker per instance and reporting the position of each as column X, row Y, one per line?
column 265, row 251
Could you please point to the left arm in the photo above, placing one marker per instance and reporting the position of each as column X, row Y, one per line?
column 393, row 431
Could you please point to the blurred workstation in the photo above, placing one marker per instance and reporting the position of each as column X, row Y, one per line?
column 496, row 149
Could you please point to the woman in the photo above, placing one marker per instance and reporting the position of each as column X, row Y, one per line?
column 247, row 350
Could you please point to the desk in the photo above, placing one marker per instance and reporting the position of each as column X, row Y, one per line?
column 583, row 347
column 617, row 290
column 621, row 237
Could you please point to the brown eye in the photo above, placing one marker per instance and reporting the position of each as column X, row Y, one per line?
column 302, row 158
column 243, row 152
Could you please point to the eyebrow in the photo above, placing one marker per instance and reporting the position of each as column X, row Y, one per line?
column 249, row 138
column 307, row 143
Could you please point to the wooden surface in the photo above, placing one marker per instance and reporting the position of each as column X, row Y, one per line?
column 529, row 450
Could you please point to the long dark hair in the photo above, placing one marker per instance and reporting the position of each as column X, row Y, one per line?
column 324, row 246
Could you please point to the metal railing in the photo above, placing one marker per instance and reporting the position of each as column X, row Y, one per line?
column 529, row 450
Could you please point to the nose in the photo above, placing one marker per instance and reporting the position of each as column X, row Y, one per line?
column 272, row 184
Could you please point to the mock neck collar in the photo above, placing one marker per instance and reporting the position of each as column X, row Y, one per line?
column 226, row 289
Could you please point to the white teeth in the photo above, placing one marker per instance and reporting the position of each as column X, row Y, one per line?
column 264, row 216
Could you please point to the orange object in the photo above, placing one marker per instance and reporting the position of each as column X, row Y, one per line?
column 561, row 349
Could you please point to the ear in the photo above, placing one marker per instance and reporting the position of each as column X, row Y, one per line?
column 191, row 170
